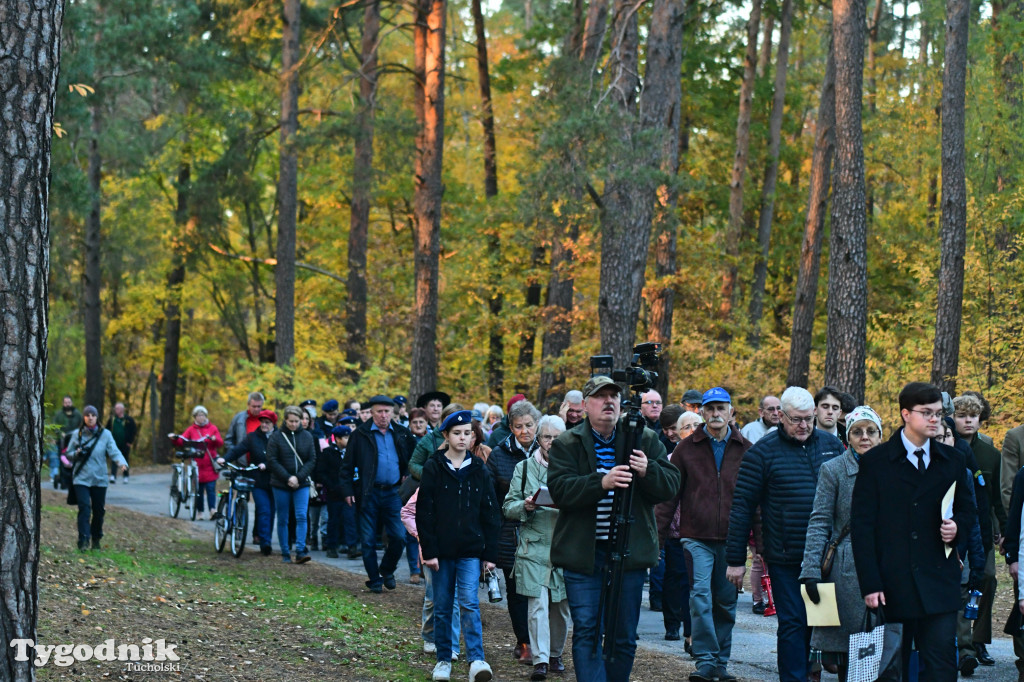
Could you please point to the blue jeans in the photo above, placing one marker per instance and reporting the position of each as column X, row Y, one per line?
column 91, row 501
column 658, row 575
column 427, row 629
column 349, row 526
column 263, row 526
column 285, row 500
column 712, row 606
column 676, row 588
column 793, row 635
column 464, row 574
column 584, row 591
column 412, row 553
column 334, row 512
column 387, row 504
column 210, row 488
column 53, row 460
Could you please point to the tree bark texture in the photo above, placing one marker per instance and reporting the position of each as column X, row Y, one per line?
column 814, row 230
column 28, row 83
column 93, row 276
column 629, row 196
column 362, row 192
column 172, row 321
column 846, row 340
column 427, row 199
column 953, row 227
column 593, row 33
column 734, row 232
column 771, row 175
column 496, row 300
column 558, row 309
column 287, row 189
column 765, row 58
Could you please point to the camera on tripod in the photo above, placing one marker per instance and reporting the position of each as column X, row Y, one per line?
column 639, row 375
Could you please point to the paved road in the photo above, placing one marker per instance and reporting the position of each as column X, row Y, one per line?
column 753, row 648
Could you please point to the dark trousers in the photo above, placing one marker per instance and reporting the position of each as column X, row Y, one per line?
column 983, row 626
column 658, row 575
column 793, row 636
column 383, row 504
column 518, row 609
column 676, row 588
column 91, row 501
column 335, row 509
column 934, row 637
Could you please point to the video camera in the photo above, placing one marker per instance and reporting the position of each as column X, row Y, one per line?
column 639, row 375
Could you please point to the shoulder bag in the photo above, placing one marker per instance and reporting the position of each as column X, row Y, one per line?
column 828, row 557
column 313, row 495
column 79, row 463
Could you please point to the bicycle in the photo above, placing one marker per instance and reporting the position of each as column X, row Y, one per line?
column 232, row 517
column 185, row 477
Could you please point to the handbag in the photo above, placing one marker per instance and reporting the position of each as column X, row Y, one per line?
column 79, row 463
column 828, row 557
column 313, row 495
column 876, row 652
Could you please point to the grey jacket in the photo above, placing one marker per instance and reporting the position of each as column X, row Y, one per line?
column 830, row 514
column 95, row 470
column 236, row 434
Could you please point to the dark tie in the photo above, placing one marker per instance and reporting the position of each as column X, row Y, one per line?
column 919, row 453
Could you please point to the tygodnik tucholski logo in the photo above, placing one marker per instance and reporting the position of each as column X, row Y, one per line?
column 151, row 656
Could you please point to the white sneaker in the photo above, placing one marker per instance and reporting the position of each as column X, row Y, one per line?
column 455, row 657
column 443, row 671
column 429, row 648
column 479, row 671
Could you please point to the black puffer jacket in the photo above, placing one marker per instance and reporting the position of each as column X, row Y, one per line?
column 779, row 475
column 457, row 516
column 254, row 448
column 502, row 464
column 283, row 461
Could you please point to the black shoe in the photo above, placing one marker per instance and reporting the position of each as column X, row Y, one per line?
column 655, row 601
column 672, row 635
column 314, row 546
column 376, row 588
column 302, row 557
column 95, row 543
column 698, row 677
column 389, row 581
column 968, row 664
column 266, row 550
column 983, row 656
column 343, row 549
column 688, row 648
column 759, row 607
column 83, row 544
column 353, row 552
column 540, row 672
column 724, row 676
column 555, row 665
column 332, row 553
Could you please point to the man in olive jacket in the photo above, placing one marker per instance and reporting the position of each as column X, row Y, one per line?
column 582, row 475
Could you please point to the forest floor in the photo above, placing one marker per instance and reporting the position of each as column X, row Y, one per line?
column 251, row 618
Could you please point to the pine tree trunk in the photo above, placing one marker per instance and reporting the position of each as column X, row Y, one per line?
column 765, row 58
column 93, row 271
column 495, row 338
column 28, row 83
column 771, row 176
column 593, row 33
column 558, row 310
column 734, row 232
column 172, row 322
column 287, row 189
column 362, row 193
column 814, row 230
column 846, row 339
column 953, row 229
column 528, row 342
column 427, row 197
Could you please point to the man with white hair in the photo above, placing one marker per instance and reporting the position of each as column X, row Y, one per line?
column 779, row 474
column 571, row 411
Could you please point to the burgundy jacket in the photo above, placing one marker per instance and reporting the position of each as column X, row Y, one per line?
column 700, row 510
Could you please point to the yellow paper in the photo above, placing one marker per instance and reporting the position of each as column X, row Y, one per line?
column 947, row 510
column 826, row 612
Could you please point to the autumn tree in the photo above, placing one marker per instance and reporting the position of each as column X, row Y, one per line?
column 27, row 92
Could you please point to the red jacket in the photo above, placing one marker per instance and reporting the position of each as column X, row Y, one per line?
column 206, row 471
column 700, row 510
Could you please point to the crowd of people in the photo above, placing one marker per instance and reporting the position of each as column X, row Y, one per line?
column 810, row 491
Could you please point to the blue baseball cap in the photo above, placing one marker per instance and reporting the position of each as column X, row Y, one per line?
column 715, row 395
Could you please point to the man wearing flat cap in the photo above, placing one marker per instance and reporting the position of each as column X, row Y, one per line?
column 432, row 403
column 380, row 449
column 587, row 465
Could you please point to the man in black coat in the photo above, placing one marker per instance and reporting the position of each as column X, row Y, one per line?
column 380, row 449
column 902, row 538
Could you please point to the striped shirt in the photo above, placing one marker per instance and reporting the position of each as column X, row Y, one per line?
column 605, row 455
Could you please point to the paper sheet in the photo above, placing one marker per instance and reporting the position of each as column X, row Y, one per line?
column 542, row 497
column 826, row 612
column 947, row 510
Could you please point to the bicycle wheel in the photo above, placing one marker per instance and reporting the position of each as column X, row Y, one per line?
column 222, row 526
column 194, row 493
column 240, row 526
column 174, row 499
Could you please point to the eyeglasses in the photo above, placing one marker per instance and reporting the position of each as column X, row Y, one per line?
column 652, row 402
column 772, row 409
column 869, row 432
column 547, row 436
column 799, row 420
column 929, row 414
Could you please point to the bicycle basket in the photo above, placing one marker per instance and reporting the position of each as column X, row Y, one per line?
column 243, row 484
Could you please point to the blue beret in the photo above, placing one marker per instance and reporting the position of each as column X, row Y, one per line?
column 400, row 400
column 347, row 419
column 330, row 406
column 349, row 412
column 340, row 431
column 457, row 419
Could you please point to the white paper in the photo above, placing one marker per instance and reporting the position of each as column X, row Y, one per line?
column 947, row 510
column 826, row 612
column 542, row 497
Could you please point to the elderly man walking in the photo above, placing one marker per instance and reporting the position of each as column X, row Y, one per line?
column 779, row 474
